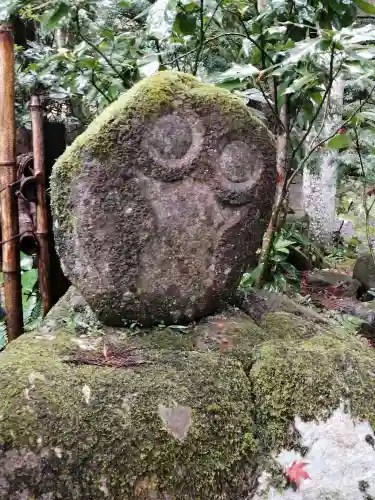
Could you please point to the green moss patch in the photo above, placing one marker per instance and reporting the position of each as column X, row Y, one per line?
column 202, row 409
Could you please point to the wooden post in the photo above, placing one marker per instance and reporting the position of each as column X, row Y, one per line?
column 41, row 207
column 8, row 175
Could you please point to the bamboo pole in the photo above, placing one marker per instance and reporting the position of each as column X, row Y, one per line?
column 8, row 175
column 41, row 207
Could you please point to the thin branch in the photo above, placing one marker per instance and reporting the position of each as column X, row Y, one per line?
column 327, row 91
column 323, row 141
column 200, row 43
column 177, row 63
column 212, row 39
column 213, row 15
column 94, row 47
column 157, row 45
column 323, row 120
column 257, row 45
column 94, row 84
column 364, row 195
column 271, row 107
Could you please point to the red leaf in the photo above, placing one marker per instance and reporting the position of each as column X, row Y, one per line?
column 296, row 472
column 342, row 131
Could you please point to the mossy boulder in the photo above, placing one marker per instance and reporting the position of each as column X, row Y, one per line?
column 187, row 413
column 364, row 271
column 161, row 204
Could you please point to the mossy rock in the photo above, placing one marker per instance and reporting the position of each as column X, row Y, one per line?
column 161, row 204
column 194, row 412
column 364, row 271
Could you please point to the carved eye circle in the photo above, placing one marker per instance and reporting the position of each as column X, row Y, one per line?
column 240, row 168
column 172, row 143
column 170, row 138
column 237, row 160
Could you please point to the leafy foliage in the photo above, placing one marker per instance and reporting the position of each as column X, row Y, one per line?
column 31, row 300
column 284, row 57
column 292, row 240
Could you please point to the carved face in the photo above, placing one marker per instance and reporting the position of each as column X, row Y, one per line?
column 168, row 221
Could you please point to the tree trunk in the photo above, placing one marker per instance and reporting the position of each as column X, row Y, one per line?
column 319, row 180
column 41, row 207
column 282, row 165
column 8, row 176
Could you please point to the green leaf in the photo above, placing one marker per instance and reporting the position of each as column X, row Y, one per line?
column 283, row 243
column 52, row 19
column 185, row 24
column 231, row 85
column 366, row 7
column 236, row 72
column 339, row 141
column 347, row 217
column 299, row 83
column 249, row 279
column 26, row 262
column 3, row 335
column 28, row 279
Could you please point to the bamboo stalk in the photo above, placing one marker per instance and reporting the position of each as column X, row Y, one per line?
column 8, row 175
column 41, row 207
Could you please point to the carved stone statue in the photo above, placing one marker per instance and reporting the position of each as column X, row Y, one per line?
column 161, row 204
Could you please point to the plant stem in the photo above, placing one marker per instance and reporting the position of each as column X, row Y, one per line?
column 108, row 99
column 212, row 39
column 364, row 197
column 213, row 15
column 96, row 49
column 201, row 38
column 327, row 91
column 283, row 168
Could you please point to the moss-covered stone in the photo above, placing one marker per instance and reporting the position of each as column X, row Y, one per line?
column 161, row 204
column 194, row 416
column 142, row 102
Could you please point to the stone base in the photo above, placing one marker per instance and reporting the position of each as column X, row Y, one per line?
column 187, row 413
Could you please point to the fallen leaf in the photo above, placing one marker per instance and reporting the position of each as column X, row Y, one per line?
column 296, row 472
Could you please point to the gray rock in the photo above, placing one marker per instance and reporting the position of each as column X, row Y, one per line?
column 161, row 204
column 326, row 278
column 348, row 288
column 364, row 271
column 259, row 303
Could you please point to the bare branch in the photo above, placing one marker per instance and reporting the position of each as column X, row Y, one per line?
column 201, row 38
column 326, row 139
column 97, row 50
column 327, row 91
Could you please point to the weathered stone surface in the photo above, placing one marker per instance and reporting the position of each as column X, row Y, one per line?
column 259, row 303
column 182, row 412
column 338, row 457
column 326, row 278
column 364, row 271
column 161, row 204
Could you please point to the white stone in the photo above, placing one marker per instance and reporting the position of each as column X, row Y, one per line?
column 338, row 459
